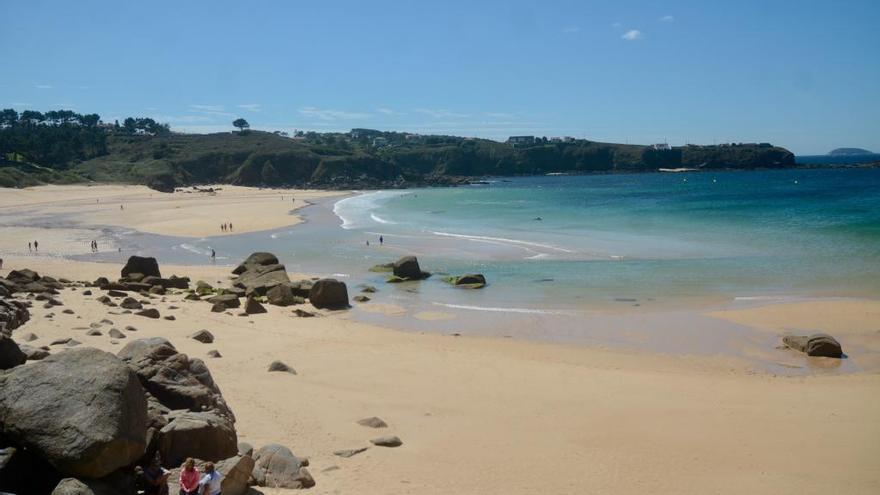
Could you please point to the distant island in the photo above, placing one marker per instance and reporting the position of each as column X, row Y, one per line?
column 67, row 147
column 849, row 152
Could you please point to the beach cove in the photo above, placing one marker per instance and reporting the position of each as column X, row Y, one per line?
column 498, row 412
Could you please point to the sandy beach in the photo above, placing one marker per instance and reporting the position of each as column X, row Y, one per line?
column 480, row 415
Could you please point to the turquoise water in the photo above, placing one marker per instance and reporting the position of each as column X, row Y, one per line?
column 563, row 241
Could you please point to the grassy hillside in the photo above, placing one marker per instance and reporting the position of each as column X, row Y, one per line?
column 365, row 159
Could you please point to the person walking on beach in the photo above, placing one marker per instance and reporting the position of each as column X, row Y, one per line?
column 36, row 246
column 189, row 478
column 213, row 254
column 29, row 247
column 230, row 226
column 210, row 483
column 381, row 240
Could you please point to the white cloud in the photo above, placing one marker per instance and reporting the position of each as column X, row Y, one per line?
column 215, row 110
column 323, row 114
column 667, row 18
column 632, row 35
column 43, row 86
column 252, row 107
column 441, row 113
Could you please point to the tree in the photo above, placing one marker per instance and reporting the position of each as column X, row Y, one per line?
column 242, row 125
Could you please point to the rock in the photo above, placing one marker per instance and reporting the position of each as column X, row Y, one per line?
column 34, row 353
column 10, row 354
column 87, row 292
column 228, row 301
column 177, row 381
column 818, row 344
column 192, row 297
column 214, row 353
column 361, row 299
column 350, row 452
column 131, row 303
column 259, row 273
column 252, row 307
column 94, row 332
column 281, row 295
column 59, row 341
column 130, row 328
column 389, row 441
column 408, row 268
column 203, row 288
column 116, row 334
column 245, row 448
column 277, row 467
column 29, row 337
column 281, row 367
column 203, row 336
column 369, row 289
column 23, row 276
column 237, row 471
column 145, row 266
column 13, row 314
column 205, row 435
column 68, row 311
column 82, row 410
column 175, row 282
column 469, row 281
column 169, row 317
column 135, row 277
column 73, row 343
column 218, row 308
column 329, row 293
column 372, row 422
column 72, row 486
column 116, row 293
column 149, row 313
column 303, row 314
column 157, row 289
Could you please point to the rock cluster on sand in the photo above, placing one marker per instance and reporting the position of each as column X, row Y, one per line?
column 277, row 467
column 818, row 344
column 406, row 268
column 329, row 293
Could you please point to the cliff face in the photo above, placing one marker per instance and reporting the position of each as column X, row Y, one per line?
column 339, row 160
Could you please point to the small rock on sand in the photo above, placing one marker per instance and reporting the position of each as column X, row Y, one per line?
column 350, row 452
column 203, row 336
column 372, row 422
column 116, row 334
column 62, row 340
column 29, row 337
column 389, row 441
column 214, row 353
column 94, row 332
column 149, row 313
column 281, row 367
column 130, row 328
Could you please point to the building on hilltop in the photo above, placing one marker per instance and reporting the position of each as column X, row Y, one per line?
column 521, row 140
column 661, row 146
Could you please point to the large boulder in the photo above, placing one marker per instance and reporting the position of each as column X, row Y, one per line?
column 818, row 344
column 177, row 381
column 82, row 410
column 281, row 295
column 144, row 266
column 236, row 473
column 227, row 301
column 408, row 268
column 259, row 273
column 276, row 467
column 469, row 281
column 204, row 435
column 329, row 293
column 10, row 354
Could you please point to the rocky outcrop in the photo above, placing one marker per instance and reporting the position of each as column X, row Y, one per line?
column 329, row 293
column 259, row 273
column 142, row 265
column 177, row 381
column 82, row 410
column 389, row 441
column 204, row 435
column 468, row 281
column 252, row 307
column 13, row 314
column 72, row 486
column 227, row 301
column 818, row 344
column 408, row 268
column 276, row 467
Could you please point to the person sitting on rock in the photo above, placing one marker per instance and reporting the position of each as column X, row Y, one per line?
column 189, row 478
column 210, row 484
column 154, row 478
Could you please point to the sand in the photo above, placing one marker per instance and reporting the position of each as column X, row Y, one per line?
column 502, row 416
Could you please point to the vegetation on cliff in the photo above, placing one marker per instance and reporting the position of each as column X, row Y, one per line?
column 51, row 150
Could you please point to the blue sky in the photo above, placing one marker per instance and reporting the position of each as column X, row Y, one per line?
column 801, row 74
